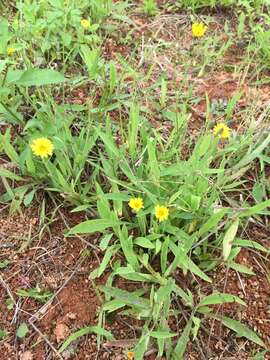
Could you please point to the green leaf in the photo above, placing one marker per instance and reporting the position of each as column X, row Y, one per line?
column 162, row 334
column 228, row 239
column 248, row 158
column 9, row 149
column 187, row 299
column 141, row 347
column 103, row 204
column 220, row 298
column 240, row 268
column 105, row 261
column 179, row 351
column 104, row 242
column 127, row 247
column 3, row 334
column 212, row 221
column 118, row 196
column 35, row 293
column 29, row 197
column 133, row 128
column 40, row 77
column 144, row 242
column 186, row 263
column 260, row 355
column 128, row 298
column 204, row 145
column 92, row 59
column 250, row 244
column 9, row 175
column 258, row 191
column 92, row 226
column 80, row 208
column 153, row 163
column 255, row 209
column 240, row 329
column 197, row 323
column 22, row 330
column 4, row 264
column 87, row 330
column 110, row 145
column 113, row 305
column 164, row 254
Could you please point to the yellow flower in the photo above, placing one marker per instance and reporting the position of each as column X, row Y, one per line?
column 136, row 204
column 85, row 24
column 222, row 131
column 130, row 355
column 198, row 29
column 42, row 147
column 10, row 51
column 161, row 212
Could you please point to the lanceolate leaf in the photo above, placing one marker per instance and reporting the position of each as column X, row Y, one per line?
column 92, row 226
column 255, row 209
column 9, row 175
column 220, row 298
column 87, row 330
column 254, row 154
column 181, row 345
column 212, row 222
column 250, row 244
column 128, row 298
column 161, row 334
column 241, row 329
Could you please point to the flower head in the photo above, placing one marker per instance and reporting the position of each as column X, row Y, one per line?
column 222, row 131
column 10, row 51
column 130, row 355
column 85, row 24
column 136, row 204
column 42, row 147
column 198, row 29
column 161, row 212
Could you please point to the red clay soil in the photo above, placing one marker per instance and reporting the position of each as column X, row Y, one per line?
column 63, row 264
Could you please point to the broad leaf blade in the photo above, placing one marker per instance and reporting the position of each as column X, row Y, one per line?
column 40, row 77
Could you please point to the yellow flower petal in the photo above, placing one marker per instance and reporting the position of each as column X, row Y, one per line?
column 10, row 51
column 130, row 355
column 42, row 147
column 198, row 29
column 136, row 204
column 222, row 131
column 161, row 212
column 85, row 24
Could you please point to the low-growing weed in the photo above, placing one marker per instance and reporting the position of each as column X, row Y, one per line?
column 168, row 214
column 170, row 204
